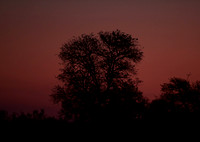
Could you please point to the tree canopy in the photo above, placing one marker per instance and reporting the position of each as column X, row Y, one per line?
column 98, row 71
column 183, row 95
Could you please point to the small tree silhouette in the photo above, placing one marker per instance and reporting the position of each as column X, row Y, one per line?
column 179, row 98
column 182, row 95
column 98, row 76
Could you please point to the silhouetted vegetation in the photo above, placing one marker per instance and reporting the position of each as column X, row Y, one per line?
column 99, row 87
column 180, row 100
column 98, row 76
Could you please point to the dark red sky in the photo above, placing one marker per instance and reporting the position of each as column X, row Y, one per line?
column 32, row 31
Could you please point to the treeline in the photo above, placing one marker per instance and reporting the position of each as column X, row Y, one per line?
column 180, row 100
column 99, row 87
column 35, row 116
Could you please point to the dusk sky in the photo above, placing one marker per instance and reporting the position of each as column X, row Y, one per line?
column 32, row 31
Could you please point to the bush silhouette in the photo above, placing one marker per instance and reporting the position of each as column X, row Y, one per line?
column 180, row 99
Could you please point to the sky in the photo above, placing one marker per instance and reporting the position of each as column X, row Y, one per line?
column 32, row 32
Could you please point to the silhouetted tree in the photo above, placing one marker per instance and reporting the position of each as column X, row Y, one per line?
column 98, row 75
column 179, row 98
column 182, row 94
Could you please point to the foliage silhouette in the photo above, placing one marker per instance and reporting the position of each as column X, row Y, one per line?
column 99, row 86
column 179, row 103
column 98, row 78
column 184, row 96
column 180, row 99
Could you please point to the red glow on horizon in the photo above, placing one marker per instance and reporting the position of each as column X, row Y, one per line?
column 32, row 33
